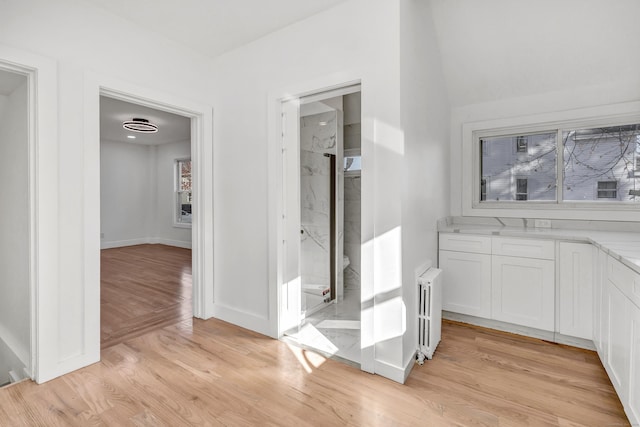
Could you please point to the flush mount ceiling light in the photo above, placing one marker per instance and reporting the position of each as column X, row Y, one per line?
column 140, row 125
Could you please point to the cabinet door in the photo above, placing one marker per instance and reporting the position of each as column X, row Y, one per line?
column 599, row 303
column 619, row 340
column 634, row 383
column 523, row 291
column 575, row 311
column 466, row 283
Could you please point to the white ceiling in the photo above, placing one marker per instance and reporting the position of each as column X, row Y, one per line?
column 10, row 81
column 171, row 127
column 491, row 49
column 497, row 49
column 213, row 27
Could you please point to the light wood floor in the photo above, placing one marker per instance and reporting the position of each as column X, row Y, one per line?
column 214, row 373
column 142, row 288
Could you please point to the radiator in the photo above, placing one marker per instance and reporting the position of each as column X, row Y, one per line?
column 429, row 313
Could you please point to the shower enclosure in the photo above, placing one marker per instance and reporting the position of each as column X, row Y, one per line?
column 321, row 209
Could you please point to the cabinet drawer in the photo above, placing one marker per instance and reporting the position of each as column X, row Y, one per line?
column 625, row 279
column 465, row 243
column 524, row 248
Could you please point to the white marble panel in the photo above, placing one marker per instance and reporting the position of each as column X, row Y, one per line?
column 315, row 141
column 352, row 230
column 318, row 133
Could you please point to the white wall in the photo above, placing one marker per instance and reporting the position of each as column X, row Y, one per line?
column 126, row 193
column 238, row 84
column 508, row 60
column 164, row 230
column 425, row 118
column 505, row 49
column 72, row 33
column 572, row 104
column 137, row 194
column 15, row 305
column 367, row 47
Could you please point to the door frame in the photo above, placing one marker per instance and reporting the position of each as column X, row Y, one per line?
column 277, row 203
column 201, row 116
column 42, row 76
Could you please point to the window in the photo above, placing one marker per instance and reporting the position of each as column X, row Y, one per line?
column 183, row 192
column 506, row 169
column 607, row 190
column 352, row 162
column 600, row 156
column 521, row 189
column 521, row 144
column 564, row 164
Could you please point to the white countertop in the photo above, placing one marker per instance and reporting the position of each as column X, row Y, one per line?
column 624, row 246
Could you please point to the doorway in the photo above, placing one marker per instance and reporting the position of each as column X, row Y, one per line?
column 15, row 227
column 327, row 150
column 146, row 211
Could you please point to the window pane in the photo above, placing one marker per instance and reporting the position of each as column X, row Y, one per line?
column 185, row 175
column 183, row 191
column 352, row 163
column 521, row 167
column 602, row 163
column 184, row 200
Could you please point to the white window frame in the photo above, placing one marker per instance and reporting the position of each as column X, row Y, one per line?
column 177, row 203
column 611, row 115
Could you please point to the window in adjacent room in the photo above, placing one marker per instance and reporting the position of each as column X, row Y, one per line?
column 183, row 192
column 352, row 162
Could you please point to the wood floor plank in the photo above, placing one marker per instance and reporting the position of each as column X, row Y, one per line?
column 214, row 373
column 211, row 373
column 143, row 288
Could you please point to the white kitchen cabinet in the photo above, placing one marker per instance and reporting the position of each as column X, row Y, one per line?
column 575, row 289
column 523, row 291
column 465, row 243
column 619, row 350
column 526, row 248
column 600, row 305
column 466, row 283
column 634, row 375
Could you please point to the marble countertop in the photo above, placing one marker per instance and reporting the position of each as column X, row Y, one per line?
column 624, row 246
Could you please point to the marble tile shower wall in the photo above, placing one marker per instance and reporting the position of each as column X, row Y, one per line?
column 352, row 239
column 318, row 135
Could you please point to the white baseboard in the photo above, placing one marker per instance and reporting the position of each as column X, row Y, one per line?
column 123, row 243
column 391, row 372
column 243, row 319
column 520, row 330
column 10, row 345
column 11, row 364
column 408, row 366
column 14, row 377
column 144, row 241
column 175, row 243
